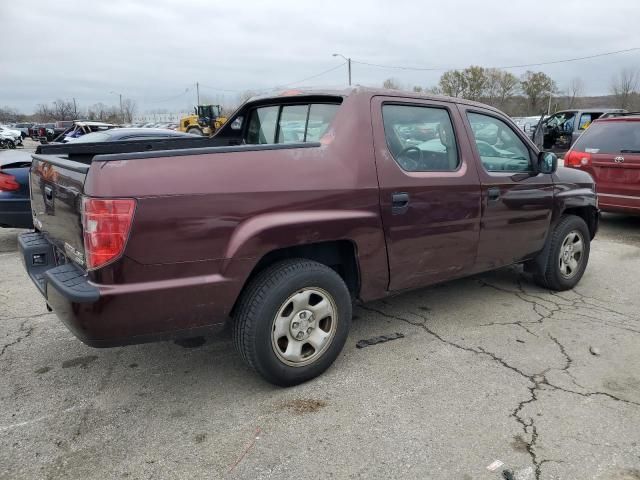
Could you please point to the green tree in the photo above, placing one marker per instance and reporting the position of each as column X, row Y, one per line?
column 453, row 83
column 537, row 86
column 475, row 81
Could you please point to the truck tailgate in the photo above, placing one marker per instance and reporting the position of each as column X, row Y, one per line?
column 56, row 195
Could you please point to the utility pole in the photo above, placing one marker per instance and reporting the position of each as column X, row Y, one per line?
column 198, row 93
column 348, row 60
column 75, row 109
column 121, row 113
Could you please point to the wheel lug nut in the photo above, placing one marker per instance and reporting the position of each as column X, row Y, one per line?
column 295, row 325
column 300, row 335
column 303, row 315
column 309, row 330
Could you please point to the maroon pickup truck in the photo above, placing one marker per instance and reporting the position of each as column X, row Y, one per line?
column 302, row 204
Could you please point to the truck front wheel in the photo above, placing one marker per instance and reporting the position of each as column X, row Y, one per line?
column 292, row 321
column 195, row 131
column 562, row 263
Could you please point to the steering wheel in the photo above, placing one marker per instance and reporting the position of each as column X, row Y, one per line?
column 405, row 157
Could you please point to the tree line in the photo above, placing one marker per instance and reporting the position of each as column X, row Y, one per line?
column 61, row 109
column 532, row 93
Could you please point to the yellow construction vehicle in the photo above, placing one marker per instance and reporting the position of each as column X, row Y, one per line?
column 206, row 120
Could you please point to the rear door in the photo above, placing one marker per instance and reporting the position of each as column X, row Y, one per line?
column 429, row 190
column 516, row 201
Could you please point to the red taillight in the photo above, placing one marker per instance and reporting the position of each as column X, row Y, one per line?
column 106, row 224
column 8, row 183
column 577, row 159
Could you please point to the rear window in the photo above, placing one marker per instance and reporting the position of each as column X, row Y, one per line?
column 297, row 123
column 610, row 137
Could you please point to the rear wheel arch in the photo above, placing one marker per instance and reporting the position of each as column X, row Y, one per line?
column 339, row 255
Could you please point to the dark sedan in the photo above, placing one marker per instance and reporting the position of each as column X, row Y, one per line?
column 15, row 208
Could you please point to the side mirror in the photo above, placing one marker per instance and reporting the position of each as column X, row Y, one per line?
column 547, row 162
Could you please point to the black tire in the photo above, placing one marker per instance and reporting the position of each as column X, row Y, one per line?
column 261, row 302
column 547, row 267
column 11, row 144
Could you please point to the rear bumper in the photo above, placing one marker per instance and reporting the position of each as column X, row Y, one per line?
column 115, row 315
column 15, row 213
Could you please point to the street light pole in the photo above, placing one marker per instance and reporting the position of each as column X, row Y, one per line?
column 348, row 60
column 121, row 111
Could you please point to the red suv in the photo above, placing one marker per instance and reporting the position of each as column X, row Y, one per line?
column 610, row 151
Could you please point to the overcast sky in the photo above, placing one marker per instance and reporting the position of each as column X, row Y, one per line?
column 153, row 51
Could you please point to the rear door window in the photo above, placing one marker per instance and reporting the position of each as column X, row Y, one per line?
column 610, row 137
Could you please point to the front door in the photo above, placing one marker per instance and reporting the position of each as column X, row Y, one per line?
column 429, row 190
column 516, row 201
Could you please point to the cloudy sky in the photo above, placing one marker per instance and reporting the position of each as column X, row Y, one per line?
column 154, row 51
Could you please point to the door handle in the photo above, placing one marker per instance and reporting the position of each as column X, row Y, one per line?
column 399, row 203
column 493, row 194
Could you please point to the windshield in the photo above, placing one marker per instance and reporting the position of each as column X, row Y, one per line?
column 610, row 137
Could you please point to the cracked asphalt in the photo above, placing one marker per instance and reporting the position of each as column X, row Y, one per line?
column 490, row 368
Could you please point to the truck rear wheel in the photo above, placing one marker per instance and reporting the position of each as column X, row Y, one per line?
column 562, row 263
column 292, row 321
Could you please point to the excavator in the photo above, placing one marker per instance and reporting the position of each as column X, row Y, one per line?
column 205, row 120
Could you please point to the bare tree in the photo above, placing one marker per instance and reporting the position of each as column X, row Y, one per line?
column 391, row 84
column 64, row 109
column 418, row 89
column 575, row 90
column 624, row 86
column 129, row 108
column 8, row 114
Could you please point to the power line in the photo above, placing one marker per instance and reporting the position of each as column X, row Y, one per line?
column 312, row 76
column 441, row 69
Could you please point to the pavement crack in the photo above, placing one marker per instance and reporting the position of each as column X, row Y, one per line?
column 536, row 380
column 27, row 333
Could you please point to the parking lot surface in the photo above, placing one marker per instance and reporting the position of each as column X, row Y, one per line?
column 490, row 368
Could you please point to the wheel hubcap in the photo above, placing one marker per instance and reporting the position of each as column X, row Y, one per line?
column 571, row 254
column 304, row 327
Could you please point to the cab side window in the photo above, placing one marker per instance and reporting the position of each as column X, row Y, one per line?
column 290, row 123
column 500, row 149
column 420, row 139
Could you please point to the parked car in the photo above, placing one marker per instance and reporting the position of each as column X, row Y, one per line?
column 609, row 150
column 10, row 137
column 24, row 128
column 278, row 233
column 558, row 132
column 15, row 206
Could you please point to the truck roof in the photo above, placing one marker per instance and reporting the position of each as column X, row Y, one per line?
column 364, row 91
